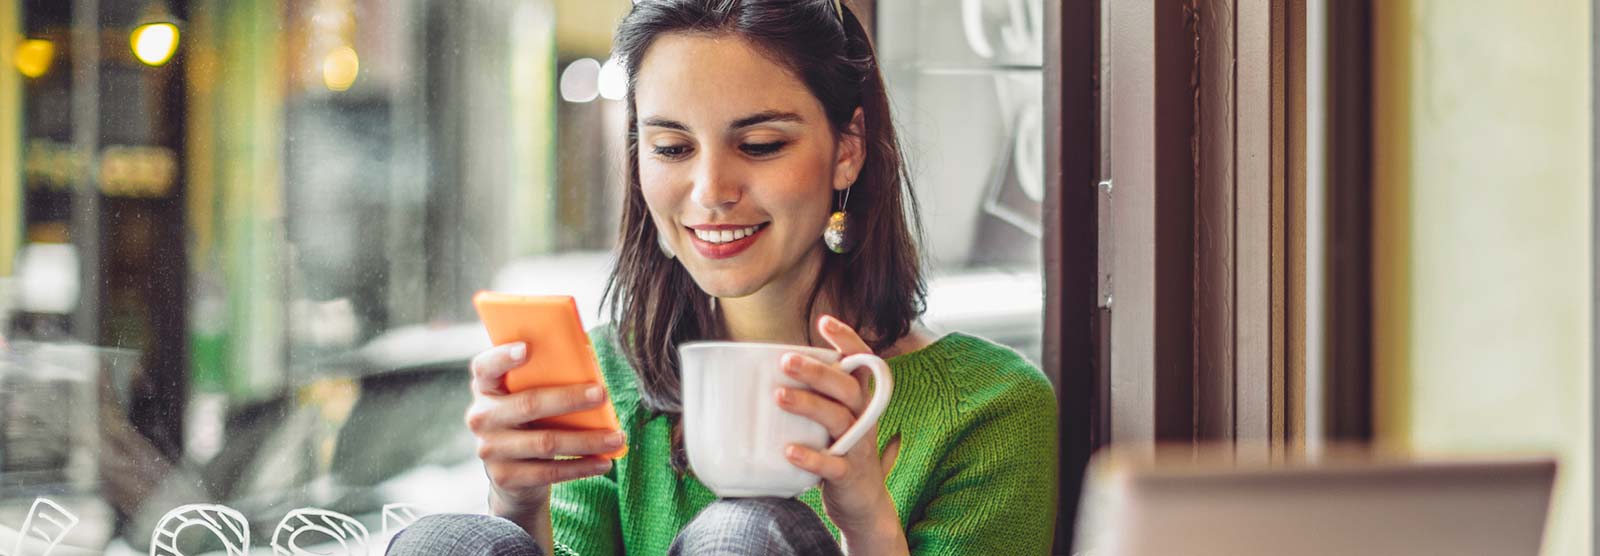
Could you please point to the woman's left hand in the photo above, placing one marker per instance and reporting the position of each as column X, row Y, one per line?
column 853, row 490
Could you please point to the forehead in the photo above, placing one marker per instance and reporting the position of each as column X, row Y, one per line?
column 691, row 77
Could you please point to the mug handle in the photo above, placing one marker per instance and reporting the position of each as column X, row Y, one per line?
column 883, row 385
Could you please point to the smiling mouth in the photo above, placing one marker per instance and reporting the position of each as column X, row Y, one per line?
column 718, row 237
column 724, row 244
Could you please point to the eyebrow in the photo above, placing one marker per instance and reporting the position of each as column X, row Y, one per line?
column 656, row 121
column 747, row 121
column 766, row 117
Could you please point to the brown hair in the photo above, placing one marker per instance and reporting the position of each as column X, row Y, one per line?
column 877, row 287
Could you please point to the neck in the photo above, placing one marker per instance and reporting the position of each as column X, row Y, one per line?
column 777, row 312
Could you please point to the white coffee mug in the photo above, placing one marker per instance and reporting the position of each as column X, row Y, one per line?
column 734, row 430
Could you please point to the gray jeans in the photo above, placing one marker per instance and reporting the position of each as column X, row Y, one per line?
column 730, row 526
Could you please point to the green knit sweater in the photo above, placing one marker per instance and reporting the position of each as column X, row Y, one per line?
column 976, row 473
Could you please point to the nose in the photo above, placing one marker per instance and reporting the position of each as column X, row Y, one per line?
column 718, row 182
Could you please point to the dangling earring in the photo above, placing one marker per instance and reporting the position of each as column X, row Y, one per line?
column 837, row 235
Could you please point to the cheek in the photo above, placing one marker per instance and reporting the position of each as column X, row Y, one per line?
column 800, row 188
column 802, row 200
column 656, row 183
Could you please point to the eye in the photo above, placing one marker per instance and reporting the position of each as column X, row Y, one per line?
column 670, row 152
column 763, row 149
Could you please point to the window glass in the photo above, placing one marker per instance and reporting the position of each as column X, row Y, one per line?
column 966, row 84
column 240, row 238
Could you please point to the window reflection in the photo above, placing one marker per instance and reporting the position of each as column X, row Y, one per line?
column 271, row 216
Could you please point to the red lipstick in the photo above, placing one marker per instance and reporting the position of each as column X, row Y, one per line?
column 724, row 250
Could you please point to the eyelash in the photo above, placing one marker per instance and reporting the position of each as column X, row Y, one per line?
column 677, row 152
column 763, row 149
column 671, row 152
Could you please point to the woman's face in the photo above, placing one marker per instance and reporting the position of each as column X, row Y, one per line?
column 737, row 163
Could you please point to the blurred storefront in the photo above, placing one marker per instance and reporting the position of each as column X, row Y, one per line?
column 98, row 232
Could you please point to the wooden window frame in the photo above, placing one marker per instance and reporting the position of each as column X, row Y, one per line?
column 1347, row 208
column 1072, row 325
column 1205, row 135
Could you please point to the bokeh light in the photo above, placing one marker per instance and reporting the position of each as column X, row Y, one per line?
column 34, row 57
column 580, row 82
column 613, row 79
column 155, row 43
column 340, row 68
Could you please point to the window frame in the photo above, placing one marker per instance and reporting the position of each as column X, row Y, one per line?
column 1205, row 137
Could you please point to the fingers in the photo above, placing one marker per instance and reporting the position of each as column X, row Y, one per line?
column 522, row 475
column 493, row 413
column 547, row 444
column 827, row 379
column 522, row 460
column 841, row 336
column 490, row 366
column 829, row 413
column 830, row 468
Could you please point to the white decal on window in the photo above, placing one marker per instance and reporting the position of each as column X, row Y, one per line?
column 397, row 517
column 227, row 524
column 48, row 521
column 350, row 534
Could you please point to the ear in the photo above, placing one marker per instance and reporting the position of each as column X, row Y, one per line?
column 852, row 152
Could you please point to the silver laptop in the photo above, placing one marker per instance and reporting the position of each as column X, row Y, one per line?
column 1367, row 507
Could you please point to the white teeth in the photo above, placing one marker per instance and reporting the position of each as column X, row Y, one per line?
column 724, row 236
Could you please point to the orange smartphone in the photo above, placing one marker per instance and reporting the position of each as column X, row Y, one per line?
column 559, row 352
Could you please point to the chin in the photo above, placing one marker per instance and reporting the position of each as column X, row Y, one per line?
column 727, row 288
column 722, row 284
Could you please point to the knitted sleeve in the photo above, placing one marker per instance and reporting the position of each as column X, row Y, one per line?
column 999, row 485
column 584, row 515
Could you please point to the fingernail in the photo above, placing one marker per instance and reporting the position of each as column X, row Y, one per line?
column 519, row 351
column 602, row 466
column 792, row 452
column 615, row 439
column 594, row 393
column 784, row 395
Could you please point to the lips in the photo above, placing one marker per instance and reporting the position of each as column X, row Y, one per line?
column 722, row 242
column 725, row 235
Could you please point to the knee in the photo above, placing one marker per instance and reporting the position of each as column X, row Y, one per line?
column 761, row 511
column 463, row 535
column 755, row 526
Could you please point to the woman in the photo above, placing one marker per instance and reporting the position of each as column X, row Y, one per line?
column 751, row 123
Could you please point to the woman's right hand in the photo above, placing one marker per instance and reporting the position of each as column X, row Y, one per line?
column 518, row 456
